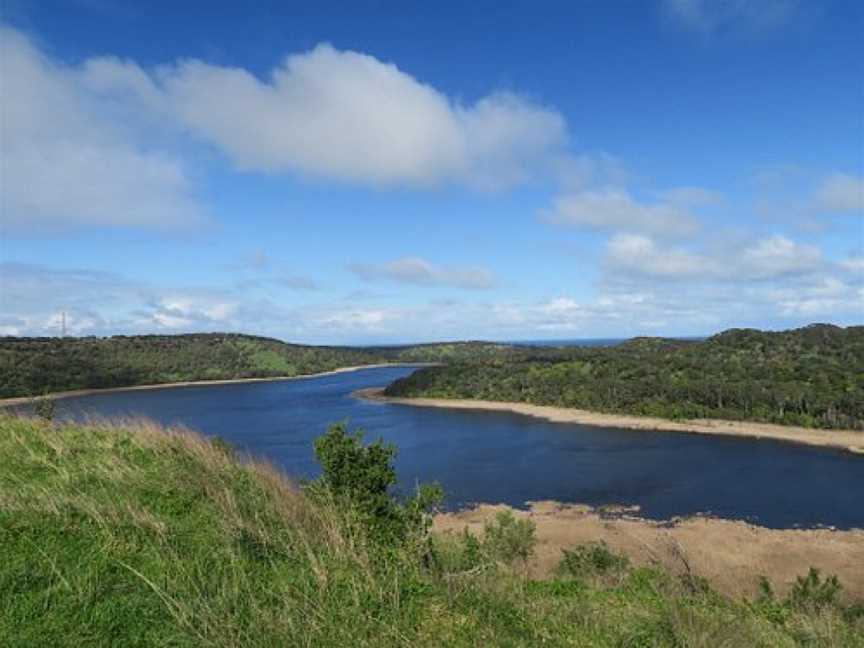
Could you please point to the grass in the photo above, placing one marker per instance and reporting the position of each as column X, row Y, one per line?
column 134, row 535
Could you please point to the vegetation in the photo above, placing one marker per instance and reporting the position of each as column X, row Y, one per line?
column 455, row 351
column 34, row 366
column 813, row 377
column 141, row 536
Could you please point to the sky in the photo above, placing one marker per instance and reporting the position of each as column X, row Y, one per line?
column 388, row 172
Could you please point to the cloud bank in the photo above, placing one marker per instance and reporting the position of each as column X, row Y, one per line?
column 419, row 272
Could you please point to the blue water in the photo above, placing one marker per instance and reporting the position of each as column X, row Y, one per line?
column 500, row 457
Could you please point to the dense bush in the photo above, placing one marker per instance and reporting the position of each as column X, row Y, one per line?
column 360, row 477
column 591, row 559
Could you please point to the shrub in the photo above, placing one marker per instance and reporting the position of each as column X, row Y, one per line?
column 507, row 539
column 360, row 477
column 44, row 408
column 812, row 592
column 594, row 558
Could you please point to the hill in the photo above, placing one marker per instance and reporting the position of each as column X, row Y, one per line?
column 812, row 377
column 33, row 366
column 140, row 536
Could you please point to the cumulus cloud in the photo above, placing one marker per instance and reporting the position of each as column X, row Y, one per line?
column 616, row 210
column 640, row 254
column 840, row 193
column 707, row 17
column 67, row 160
column 824, row 297
column 344, row 115
column 419, row 272
column 768, row 258
column 777, row 256
column 99, row 144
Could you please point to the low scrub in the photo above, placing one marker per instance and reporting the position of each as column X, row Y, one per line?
column 135, row 535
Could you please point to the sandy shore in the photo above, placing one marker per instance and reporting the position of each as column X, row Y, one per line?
column 732, row 555
column 208, row 383
column 849, row 440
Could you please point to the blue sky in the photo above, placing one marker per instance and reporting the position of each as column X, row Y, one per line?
column 393, row 172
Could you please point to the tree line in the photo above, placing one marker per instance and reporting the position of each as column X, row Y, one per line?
column 812, row 376
column 34, row 366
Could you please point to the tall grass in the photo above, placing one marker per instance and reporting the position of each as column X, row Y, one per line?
column 135, row 535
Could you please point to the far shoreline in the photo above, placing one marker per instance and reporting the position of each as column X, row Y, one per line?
column 848, row 440
column 23, row 400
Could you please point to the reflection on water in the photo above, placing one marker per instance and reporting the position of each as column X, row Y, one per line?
column 503, row 457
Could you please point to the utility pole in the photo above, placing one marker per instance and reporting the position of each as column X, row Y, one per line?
column 63, row 320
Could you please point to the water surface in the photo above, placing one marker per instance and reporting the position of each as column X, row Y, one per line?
column 482, row 456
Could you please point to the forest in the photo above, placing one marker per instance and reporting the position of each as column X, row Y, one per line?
column 34, row 366
column 812, row 377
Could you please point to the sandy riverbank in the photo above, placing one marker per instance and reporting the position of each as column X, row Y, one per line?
column 208, row 383
column 732, row 555
column 849, row 440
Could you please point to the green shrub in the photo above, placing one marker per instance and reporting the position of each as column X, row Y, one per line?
column 360, row 477
column 44, row 408
column 594, row 558
column 812, row 592
column 508, row 539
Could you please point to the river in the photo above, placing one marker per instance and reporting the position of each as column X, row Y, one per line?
column 508, row 458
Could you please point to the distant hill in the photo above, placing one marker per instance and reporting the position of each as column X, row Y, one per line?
column 812, row 376
column 32, row 366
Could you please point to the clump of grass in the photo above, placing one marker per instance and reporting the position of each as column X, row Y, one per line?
column 135, row 535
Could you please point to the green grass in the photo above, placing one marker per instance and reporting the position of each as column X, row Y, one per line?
column 132, row 535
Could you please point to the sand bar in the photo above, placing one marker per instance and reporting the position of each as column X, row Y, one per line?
column 849, row 440
column 731, row 554
column 208, row 383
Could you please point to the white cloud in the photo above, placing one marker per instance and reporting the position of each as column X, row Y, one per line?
column 419, row 272
column 640, row 254
column 768, row 258
column 708, row 17
column 616, row 210
column 840, row 193
column 98, row 144
column 67, row 160
column 777, row 256
column 853, row 264
column 347, row 116
column 827, row 297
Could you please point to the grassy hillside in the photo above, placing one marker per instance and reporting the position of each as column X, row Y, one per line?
column 813, row 376
column 138, row 536
column 33, row 366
